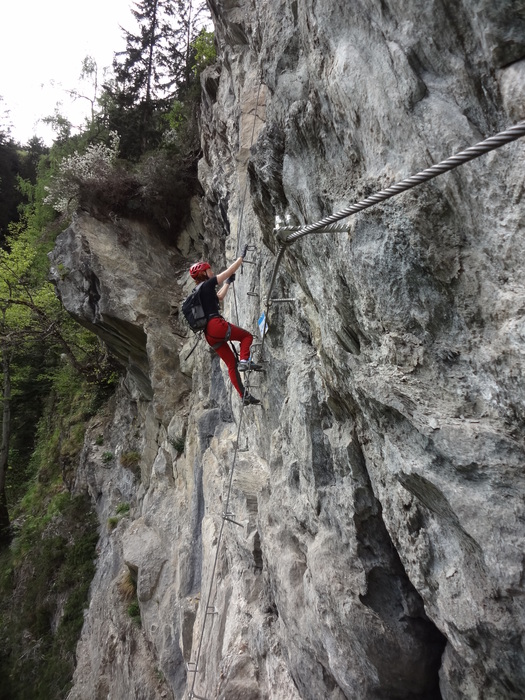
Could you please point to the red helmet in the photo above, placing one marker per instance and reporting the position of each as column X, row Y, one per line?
column 198, row 268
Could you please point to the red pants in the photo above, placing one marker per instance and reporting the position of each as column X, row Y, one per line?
column 216, row 331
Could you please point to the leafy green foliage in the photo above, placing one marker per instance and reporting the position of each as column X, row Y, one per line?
column 15, row 163
column 58, row 373
column 205, row 52
column 42, row 602
column 49, row 566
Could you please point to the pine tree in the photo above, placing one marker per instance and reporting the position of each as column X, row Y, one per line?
column 9, row 167
column 186, row 19
column 154, row 68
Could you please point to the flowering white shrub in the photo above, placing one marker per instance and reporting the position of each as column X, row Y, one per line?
column 81, row 170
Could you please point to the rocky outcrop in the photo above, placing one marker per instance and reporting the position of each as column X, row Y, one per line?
column 378, row 550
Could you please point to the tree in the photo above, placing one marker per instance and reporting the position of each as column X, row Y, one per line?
column 133, row 90
column 5, row 353
column 89, row 77
column 186, row 21
column 9, row 167
column 30, row 155
column 31, row 316
column 155, row 68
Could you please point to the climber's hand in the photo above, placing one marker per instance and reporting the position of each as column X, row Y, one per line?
column 244, row 252
column 230, row 279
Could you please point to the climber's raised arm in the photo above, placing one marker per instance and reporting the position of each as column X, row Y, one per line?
column 223, row 276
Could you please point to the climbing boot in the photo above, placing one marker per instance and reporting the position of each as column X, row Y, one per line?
column 246, row 365
column 250, row 400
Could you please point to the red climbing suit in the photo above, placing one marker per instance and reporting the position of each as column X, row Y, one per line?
column 217, row 331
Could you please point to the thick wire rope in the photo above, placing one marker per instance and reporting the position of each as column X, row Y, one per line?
column 479, row 149
column 326, row 225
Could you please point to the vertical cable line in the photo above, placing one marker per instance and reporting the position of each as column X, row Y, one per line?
column 215, row 561
column 243, row 200
column 226, row 513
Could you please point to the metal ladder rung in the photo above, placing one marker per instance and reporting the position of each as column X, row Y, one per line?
column 229, row 517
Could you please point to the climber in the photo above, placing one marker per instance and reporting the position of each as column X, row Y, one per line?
column 218, row 331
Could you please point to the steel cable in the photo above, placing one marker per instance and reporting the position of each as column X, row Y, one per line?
column 479, row 149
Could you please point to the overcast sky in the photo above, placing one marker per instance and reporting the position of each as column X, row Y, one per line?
column 42, row 47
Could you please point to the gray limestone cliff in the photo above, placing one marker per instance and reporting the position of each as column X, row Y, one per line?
column 378, row 492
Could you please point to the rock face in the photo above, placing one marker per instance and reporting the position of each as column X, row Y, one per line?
column 377, row 548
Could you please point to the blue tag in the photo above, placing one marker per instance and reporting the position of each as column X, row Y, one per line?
column 263, row 326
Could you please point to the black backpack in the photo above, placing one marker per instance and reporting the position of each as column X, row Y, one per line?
column 193, row 311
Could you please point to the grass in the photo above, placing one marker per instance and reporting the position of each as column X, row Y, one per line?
column 127, row 587
column 123, row 508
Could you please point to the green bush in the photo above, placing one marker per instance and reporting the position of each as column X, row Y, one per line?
column 38, row 632
column 134, row 612
column 123, row 508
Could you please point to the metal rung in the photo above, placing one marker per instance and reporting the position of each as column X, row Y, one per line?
column 229, row 517
column 191, row 670
column 249, row 262
column 212, row 610
column 252, row 294
column 275, row 301
column 197, row 697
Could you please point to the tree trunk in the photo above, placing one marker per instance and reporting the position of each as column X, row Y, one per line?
column 4, row 448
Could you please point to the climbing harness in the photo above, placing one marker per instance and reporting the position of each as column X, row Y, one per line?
column 221, row 341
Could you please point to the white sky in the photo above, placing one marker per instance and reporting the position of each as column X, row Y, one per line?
column 42, row 47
